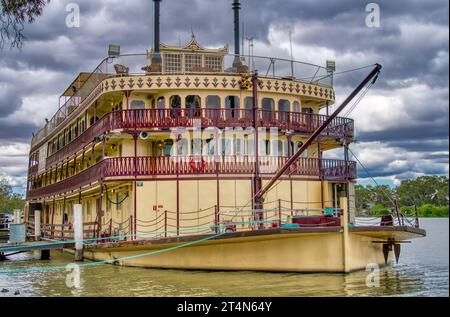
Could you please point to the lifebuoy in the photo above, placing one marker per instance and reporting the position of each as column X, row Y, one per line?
column 196, row 168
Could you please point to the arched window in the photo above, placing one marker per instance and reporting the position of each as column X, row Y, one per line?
column 268, row 104
column 248, row 107
column 175, row 102
column 268, row 107
column 161, row 104
column 213, row 102
column 210, row 147
column 227, row 147
column 183, row 147
column 193, row 104
column 296, row 106
column 232, row 106
column 284, row 107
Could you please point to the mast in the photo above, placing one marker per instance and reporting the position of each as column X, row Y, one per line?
column 373, row 75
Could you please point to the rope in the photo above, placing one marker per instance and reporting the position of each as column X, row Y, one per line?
column 55, row 268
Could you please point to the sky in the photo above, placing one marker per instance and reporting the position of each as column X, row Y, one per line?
column 401, row 125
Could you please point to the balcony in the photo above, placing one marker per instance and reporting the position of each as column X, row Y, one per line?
column 127, row 167
column 303, row 123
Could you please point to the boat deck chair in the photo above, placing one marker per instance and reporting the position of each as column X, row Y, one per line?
column 121, row 70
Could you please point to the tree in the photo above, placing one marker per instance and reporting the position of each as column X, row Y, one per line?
column 9, row 200
column 424, row 190
column 13, row 15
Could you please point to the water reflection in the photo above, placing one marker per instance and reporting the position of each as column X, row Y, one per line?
column 416, row 275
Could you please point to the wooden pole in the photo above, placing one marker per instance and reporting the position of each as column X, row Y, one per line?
column 78, row 231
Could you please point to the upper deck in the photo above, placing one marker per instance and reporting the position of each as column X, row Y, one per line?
column 190, row 67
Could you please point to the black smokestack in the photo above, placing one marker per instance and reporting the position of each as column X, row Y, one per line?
column 156, row 37
column 236, row 8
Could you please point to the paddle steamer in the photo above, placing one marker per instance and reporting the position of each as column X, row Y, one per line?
column 185, row 144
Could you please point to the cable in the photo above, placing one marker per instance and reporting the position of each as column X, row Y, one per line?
column 373, row 179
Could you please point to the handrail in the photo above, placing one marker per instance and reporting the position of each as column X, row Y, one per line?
column 220, row 118
column 280, row 69
column 187, row 165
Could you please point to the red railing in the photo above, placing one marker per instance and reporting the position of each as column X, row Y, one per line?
column 104, row 125
column 220, row 118
column 211, row 165
column 229, row 118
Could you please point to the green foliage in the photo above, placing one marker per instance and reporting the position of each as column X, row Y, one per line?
column 13, row 15
column 428, row 193
column 429, row 210
column 380, row 210
column 9, row 200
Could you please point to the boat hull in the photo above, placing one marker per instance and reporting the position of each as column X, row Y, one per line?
column 280, row 250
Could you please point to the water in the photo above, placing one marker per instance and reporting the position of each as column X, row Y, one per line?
column 423, row 271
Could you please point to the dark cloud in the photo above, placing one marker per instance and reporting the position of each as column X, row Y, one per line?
column 412, row 45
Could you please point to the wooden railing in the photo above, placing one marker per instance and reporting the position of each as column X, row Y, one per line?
column 212, row 165
column 221, row 118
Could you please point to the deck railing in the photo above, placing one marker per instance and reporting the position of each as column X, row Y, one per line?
column 220, row 118
column 267, row 66
column 208, row 165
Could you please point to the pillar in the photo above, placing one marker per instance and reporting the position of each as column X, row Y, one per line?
column 345, row 237
column 17, row 216
column 78, row 231
column 37, row 225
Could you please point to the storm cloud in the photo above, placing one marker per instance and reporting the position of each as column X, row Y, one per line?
column 402, row 124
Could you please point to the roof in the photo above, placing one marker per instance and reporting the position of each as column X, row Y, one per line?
column 77, row 84
column 193, row 46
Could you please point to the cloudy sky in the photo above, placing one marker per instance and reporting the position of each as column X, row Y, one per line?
column 402, row 124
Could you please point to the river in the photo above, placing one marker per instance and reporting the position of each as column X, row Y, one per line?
column 423, row 271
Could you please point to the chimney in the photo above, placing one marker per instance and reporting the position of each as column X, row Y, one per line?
column 156, row 59
column 236, row 7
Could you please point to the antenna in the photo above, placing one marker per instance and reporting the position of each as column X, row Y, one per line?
column 292, row 54
column 250, row 52
column 243, row 37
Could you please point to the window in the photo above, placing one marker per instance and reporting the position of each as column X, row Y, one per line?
column 264, row 147
column 172, row 63
column 284, row 105
column 298, row 145
column 137, row 104
column 227, row 148
column 213, row 102
column 161, row 103
column 193, row 104
column 248, row 105
column 211, row 147
column 175, row 102
column 168, row 146
column 268, row 106
column 196, row 148
column 296, row 106
column 232, row 106
column 307, row 110
column 183, row 147
column 213, row 63
column 239, row 146
column 193, row 62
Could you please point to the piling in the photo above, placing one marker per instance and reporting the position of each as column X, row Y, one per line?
column 78, row 231
column 37, row 225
